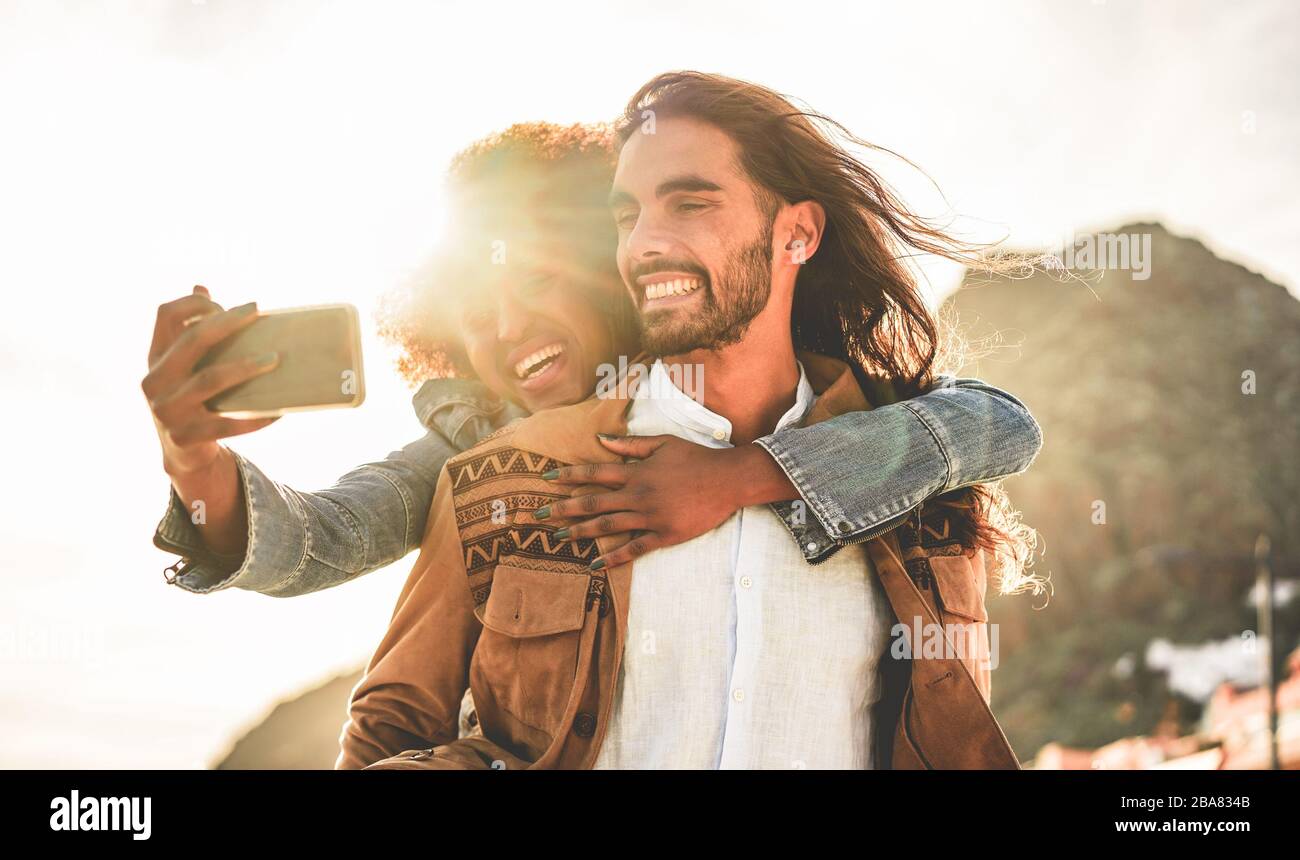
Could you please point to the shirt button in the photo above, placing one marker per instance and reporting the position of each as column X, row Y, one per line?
column 738, row 694
column 584, row 725
column 719, row 435
column 746, row 582
column 812, row 546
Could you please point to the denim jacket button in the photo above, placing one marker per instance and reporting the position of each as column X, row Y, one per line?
column 845, row 528
column 584, row 725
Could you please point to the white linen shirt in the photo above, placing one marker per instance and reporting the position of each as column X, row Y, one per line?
column 740, row 654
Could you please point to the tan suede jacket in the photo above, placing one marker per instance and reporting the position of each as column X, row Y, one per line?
column 496, row 604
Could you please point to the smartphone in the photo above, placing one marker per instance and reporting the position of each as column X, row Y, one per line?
column 320, row 362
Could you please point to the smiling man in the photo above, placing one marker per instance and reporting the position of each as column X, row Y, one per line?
column 755, row 663
column 760, row 249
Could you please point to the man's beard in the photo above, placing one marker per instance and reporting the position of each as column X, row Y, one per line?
column 745, row 287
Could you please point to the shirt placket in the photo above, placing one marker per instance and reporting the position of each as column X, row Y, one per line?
column 746, row 586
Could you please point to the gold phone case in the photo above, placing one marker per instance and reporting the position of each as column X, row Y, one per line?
column 320, row 362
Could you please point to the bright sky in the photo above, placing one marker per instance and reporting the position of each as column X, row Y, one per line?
column 291, row 152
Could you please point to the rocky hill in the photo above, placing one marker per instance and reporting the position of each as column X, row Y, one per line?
column 1170, row 409
column 301, row 733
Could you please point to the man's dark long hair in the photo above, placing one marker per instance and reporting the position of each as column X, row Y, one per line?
column 855, row 298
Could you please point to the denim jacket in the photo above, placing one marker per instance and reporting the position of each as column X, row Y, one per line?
column 858, row 474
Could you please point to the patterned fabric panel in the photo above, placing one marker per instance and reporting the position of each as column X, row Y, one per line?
column 495, row 493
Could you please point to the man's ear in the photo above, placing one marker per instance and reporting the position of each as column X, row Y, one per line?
column 805, row 224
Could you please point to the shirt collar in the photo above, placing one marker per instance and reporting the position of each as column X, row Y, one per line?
column 662, row 393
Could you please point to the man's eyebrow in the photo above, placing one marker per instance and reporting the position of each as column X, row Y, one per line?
column 686, row 183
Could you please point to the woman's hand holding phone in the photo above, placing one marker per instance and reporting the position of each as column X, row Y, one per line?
column 200, row 468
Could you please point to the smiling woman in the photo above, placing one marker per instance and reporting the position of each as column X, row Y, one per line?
column 524, row 295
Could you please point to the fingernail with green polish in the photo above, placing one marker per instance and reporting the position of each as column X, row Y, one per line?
column 542, row 513
column 606, row 436
column 551, row 475
column 562, row 534
column 266, row 359
column 598, row 564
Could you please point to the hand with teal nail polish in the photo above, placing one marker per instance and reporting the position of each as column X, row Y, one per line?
column 666, row 491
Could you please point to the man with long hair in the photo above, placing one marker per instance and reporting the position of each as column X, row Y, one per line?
column 760, row 250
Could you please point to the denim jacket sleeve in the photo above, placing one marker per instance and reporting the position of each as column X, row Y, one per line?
column 863, row 472
column 302, row 542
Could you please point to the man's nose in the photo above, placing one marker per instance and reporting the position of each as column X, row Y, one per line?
column 647, row 238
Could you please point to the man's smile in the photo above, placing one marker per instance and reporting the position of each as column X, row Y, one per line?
column 664, row 286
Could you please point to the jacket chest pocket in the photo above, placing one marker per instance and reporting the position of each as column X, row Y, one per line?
column 528, row 652
column 959, row 585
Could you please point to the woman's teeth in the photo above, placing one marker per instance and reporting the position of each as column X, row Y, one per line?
column 679, row 287
column 536, row 363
